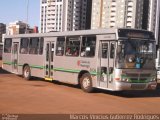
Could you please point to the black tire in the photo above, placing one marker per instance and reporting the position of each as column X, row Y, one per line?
column 27, row 72
column 86, row 83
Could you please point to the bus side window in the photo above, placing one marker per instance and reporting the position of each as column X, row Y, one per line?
column 24, row 46
column 104, row 50
column 33, row 46
column 41, row 40
column 73, row 46
column 112, row 50
column 60, row 46
column 7, row 45
column 88, row 46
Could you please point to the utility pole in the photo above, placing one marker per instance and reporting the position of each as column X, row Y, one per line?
column 26, row 31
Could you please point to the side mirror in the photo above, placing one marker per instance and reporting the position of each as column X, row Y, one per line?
column 119, row 50
column 157, row 46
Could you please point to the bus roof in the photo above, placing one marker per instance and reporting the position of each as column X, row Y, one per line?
column 71, row 33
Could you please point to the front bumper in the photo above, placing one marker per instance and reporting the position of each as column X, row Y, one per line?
column 119, row 86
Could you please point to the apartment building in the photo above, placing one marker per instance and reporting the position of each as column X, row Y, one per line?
column 2, row 30
column 55, row 15
column 117, row 14
column 43, row 15
column 145, row 14
column 157, row 28
column 64, row 15
column 154, row 17
column 17, row 27
column 81, row 14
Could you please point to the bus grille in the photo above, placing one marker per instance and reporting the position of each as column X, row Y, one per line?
column 138, row 86
column 145, row 75
column 135, row 76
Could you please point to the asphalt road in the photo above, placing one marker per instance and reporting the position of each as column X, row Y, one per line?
column 40, row 97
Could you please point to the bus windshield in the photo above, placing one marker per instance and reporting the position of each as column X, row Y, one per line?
column 136, row 54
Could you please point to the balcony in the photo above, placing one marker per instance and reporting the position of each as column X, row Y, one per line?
column 129, row 24
column 112, row 18
column 129, row 19
column 112, row 24
column 130, row 14
column 130, row 3
column 113, row 4
column 113, row 9
column 113, row 13
column 130, row 9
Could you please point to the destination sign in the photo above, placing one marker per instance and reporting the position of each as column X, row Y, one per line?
column 135, row 34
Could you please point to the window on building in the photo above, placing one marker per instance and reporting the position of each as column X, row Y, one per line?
column 72, row 46
column 60, row 46
column 7, row 45
column 88, row 46
column 24, row 46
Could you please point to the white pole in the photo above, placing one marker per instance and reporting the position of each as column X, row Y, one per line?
column 27, row 16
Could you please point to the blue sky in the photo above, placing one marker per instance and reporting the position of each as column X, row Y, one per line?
column 12, row 10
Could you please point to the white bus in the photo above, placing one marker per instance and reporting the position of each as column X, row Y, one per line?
column 110, row 59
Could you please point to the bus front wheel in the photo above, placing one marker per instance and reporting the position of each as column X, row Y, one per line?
column 86, row 83
column 27, row 72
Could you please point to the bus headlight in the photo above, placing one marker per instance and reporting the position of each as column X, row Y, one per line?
column 124, row 80
column 131, row 59
column 153, row 79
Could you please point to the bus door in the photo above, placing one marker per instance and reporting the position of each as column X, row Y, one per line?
column 49, row 60
column 106, row 54
column 15, row 57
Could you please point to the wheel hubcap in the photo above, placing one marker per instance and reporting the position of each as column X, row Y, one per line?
column 86, row 82
column 26, row 73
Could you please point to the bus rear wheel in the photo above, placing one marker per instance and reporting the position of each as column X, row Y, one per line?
column 86, row 83
column 27, row 72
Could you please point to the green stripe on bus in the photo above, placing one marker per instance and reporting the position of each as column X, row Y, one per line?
column 8, row 63
column 35, row 66
column 66, row 70
column 71, row 70
column 55, row 69
column 20, row 65
column 93, row 73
